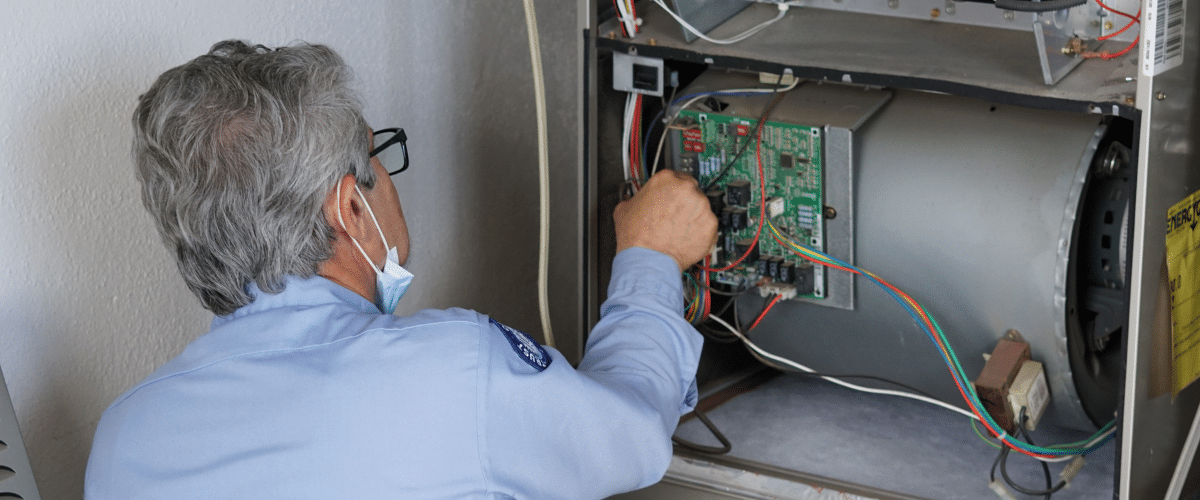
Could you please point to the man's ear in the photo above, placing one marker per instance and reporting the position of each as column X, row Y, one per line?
column 344, row 200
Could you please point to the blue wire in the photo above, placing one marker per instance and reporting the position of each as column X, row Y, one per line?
column 916, row 317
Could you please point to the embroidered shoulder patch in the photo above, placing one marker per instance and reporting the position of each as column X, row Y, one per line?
column 525, row 347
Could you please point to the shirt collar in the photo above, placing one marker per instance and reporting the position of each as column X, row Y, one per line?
column 298, row 292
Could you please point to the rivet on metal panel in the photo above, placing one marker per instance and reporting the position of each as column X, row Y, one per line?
column 949, row 7
column 1008, row 15
column 612, row 35
column 1160, row 95
column 1108, row 25
column 653, row 42
column 1130, row 101
column 935, row 13
column 893, row 3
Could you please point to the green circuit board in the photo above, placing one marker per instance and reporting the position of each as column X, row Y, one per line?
column 792, row 164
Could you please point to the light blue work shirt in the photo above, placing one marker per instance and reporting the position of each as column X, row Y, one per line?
column 312, row 393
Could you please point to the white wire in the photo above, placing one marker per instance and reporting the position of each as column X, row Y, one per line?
column 539, row 93
column 792, row 364
column 627, row 132
column 626, row 18
column 803, row 368
column 783, row 8
column 675, row 115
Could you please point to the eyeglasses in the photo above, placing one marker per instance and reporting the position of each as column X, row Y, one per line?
column 391, row 136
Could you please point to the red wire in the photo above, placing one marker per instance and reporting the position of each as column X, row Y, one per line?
column 633, row 14
column 1122, row 30
column 1132, row 20
column 928, row 323
column 707, row 292
column 1115, row 11
column 763, row 314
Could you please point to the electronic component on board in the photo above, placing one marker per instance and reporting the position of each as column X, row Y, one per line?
column 737, row 193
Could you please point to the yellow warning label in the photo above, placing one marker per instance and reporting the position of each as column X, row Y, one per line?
column 1183, row 265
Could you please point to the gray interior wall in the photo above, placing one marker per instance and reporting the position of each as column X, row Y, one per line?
column 92, row 302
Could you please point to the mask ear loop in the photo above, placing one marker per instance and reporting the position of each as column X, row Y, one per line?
column 369, row 211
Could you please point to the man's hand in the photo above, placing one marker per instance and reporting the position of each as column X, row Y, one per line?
column 669, row 214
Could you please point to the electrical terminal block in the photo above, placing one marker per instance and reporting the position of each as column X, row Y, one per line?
column 787, row 291
column 1001, row 491
column 1029, row 391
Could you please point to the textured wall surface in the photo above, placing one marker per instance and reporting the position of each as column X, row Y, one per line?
column 90, row 302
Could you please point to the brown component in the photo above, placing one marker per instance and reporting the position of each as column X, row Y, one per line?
column 996, row 379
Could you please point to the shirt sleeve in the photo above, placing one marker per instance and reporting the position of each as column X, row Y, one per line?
column 604, row 428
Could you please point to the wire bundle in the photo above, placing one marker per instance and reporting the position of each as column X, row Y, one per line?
column 627, row 14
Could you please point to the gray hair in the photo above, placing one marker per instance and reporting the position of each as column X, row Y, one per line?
column 236, row 152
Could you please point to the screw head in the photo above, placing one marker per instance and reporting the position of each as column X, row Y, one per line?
column 1130, row 101
column 829, row 212
column 893, row 3
column 935, row 13
column 1160, row 95
column 653, row 42
column 1008, row 15
column 1108, row 25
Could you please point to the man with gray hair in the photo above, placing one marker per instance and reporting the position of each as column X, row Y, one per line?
column 265, row 184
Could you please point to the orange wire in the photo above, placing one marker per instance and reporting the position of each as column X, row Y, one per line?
column 763, row 314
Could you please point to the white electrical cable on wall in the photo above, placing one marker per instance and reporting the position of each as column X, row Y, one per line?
column 539, row 94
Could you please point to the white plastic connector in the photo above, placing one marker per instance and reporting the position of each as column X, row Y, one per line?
column 1001, row 491
column 1030, row 391
column 1071, row 470
column 783, row 289
column 775, row 207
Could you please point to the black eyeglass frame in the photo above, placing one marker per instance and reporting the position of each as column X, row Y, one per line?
column 397, row 137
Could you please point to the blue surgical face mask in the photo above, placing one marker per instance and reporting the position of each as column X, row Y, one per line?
column 393, row 280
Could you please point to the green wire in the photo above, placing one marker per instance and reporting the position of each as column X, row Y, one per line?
column 982, row 437
column 1069, row 448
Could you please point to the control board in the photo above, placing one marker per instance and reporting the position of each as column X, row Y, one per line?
column 708, row 146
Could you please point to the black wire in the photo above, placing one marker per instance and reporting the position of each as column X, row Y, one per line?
column 712, row 450
column 1046, row 6
column 733, row 293
column 1003, row 461
column 716, row 335
column 749, row 138
column 1045, row 467
column 727, row 338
